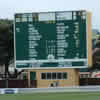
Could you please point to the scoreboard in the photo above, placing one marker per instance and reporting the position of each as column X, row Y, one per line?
column 51, row 40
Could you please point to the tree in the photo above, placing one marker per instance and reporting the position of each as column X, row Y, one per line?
column 6, row 42
column 96, row 55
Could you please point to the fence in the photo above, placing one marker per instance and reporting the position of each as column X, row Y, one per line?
column 51, row 90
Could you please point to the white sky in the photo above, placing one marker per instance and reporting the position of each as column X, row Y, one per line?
column 9, row 7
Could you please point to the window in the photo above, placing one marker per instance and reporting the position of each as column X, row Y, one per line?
column 43, row 76
column 59, row 75
column 54, row 76
column 64, row 75
column 48, row 75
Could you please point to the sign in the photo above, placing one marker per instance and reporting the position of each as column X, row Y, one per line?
column 9, row 91
column 51, row 39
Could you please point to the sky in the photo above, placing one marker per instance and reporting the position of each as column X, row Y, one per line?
column 9, row 7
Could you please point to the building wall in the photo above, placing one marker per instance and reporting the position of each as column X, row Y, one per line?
column 72, row 78
column 89, row 33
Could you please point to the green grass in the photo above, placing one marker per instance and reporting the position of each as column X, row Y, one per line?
column 52, row 96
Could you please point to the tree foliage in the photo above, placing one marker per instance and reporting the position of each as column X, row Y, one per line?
column 6, row 41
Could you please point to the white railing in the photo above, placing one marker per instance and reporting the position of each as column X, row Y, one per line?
column 50, row 90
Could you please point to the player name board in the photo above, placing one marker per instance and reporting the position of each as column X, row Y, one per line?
column 51, row 39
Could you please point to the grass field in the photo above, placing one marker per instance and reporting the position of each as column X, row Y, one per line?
column 52, row 96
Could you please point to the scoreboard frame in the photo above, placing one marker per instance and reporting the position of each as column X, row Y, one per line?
column 51, row 60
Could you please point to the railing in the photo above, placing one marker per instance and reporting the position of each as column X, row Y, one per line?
column 51, row 90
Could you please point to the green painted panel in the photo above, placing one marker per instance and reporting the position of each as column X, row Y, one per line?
column 40, row 37
column 32, row 75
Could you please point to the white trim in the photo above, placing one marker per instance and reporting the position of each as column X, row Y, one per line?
column 14, row 43
column 39, row 68
column 51, row 60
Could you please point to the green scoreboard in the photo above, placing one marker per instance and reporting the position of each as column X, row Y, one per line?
column 51, row 40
